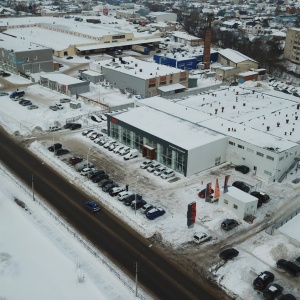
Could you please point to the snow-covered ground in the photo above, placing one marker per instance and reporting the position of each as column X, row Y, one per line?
column 257, row 254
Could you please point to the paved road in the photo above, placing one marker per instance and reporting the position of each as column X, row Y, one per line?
column 161, row 277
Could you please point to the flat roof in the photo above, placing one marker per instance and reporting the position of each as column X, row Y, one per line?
column 187, row 135
column 61, row 78
column 119, row 44
column 171, row 87
column 186, row 36
column 240, row 195
column 137, row 68
column 234, row 56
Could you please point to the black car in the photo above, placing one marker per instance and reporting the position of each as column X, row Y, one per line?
column 75, row 126
column 137, row 204
column 262, row 280
column 69, row 57
column 100, row 177
column 108, row 187
column 104, row 182
column 242, row 169
column 289, row 267
column 26, row 103
column 263, row 197
column 68, row 125
column 241, row 186
column 96, row 173
column 92, row 206
column 288, row 297
column 60, row 152
column 127, row 201
column 228, row 253
column 228, row 224
column 272, row 291
column 55, row 147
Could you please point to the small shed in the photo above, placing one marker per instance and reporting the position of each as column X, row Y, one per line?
column 246, row 76
column 75, row 105
column 240, row 203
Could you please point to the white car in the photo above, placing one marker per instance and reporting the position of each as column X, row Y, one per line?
column 167, row 174
column 159, row 170
column 112, row 146
column 59, row 106
column 124, row 151
column 103, row 117
column 108, row 143
column 97, row 140
column 201, row 237
column 146, row 208
column 90, row 134
column 123, row 195
column 118, row 148
column 86, row 171
column 153, row 167
column 145, row 164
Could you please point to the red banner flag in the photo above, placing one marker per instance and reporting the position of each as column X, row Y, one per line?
column 217, row 189
column 226, row 183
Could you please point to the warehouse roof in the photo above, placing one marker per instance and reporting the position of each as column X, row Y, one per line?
column 187, row 135
column 234, row 56
column 61, row 78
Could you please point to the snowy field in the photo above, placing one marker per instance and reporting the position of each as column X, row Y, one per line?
column 257, row 254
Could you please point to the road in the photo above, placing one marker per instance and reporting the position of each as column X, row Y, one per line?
column 160, row 276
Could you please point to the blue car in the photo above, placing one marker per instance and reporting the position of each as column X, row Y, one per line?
column 92, row 206
column 155, row 212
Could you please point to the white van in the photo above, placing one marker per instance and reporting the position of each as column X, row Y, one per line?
column 132, row 154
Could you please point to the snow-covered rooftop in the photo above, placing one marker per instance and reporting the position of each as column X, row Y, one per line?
column 240, row 195
column 184, row 35
column 138, row 68
column 187, row 135
column 234, row 56
column 61, row 78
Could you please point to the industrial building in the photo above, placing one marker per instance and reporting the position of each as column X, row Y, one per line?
column 64, row 84
column 140, row 77
column 292, row 45
column 191, row 141
column 21, row 57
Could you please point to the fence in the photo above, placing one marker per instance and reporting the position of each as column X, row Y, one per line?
column 119, row 274
column 283, row 221
column 284, row 175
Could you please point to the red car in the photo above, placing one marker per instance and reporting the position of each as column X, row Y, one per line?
column 75, row 159
column 202, row 193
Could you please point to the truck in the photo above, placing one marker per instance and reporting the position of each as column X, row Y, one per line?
column 94, row 21
column 140, row 49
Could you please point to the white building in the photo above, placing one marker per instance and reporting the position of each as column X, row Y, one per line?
column 239, row 202
column 163, row 17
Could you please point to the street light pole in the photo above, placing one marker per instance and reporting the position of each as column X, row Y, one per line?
column 137, row 270
column 32, row 181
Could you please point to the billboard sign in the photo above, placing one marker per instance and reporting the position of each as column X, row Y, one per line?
column 226, row 183
column 191, row 214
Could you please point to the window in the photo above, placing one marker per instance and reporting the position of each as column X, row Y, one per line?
column 217, row 160
column 270, row 157
column 225, row 201
column 231, row 143
column 281, row 158
column 240, row 146
column 235, row 206
column 250, row 150
column 260, row 154
column 152, row 85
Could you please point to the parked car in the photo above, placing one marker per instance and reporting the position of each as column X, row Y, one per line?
column 263, row 197
column 203, row 192
column 16, row 94
column 26, row 103
column 83, row 164
column 242, row 169
column 155, row 212
column 95, row 118
column 103, row 141
column 159, row 170
column 201, row 237
column 68, row 125
column 272, row 291
column 229, row 253
column 127, row 201
column 75, row 126
column 92, row 206
column 108, row 143
column 118, row 148
column 94, row 135
column 60, row 152
column 99, row 177
column 116, row 190
column 69, row 57
column 23, row 100
column 137, row 204
column 53, row 128
column 153, row 167
column 104, row 182
column 30, row 107
column 145, row 208
column 95, row 173
column 3, row 94
column 56, row 146
column 108, row 187
column 289, row 267
column 228, row 224
column 124, row 151
column 64, row 100
column 87, row 57
column 75, row 160
column 103, row 117
column 241, row 186
column 112, row 146
column 262, row 280
column 145, row 164
column 288, row 297
column 167, row 174
column 123, row 195
column 88, row 135
column 86, row 171
column 131, row 154
column 104, row 130
column 53, row 107
column 85, row 132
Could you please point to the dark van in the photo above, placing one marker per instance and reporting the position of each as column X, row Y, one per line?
column 228, row 224
column 55, row 147
column 75, row 126
column 17, row 94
